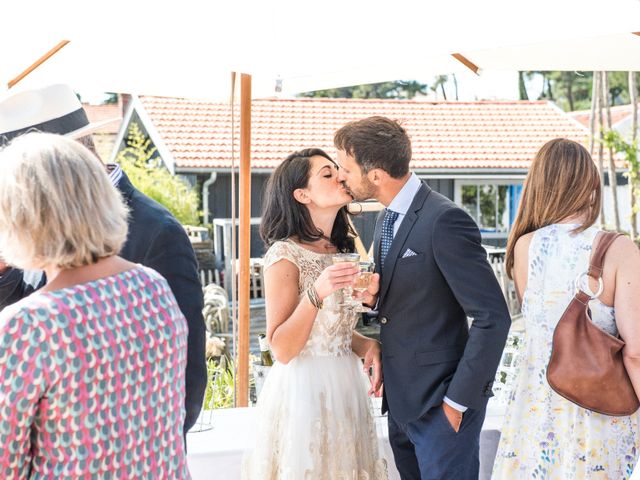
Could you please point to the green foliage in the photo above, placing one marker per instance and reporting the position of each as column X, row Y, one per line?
column 522, row 89
column 614, row 140
column 110, row 98
column 219, row 392
column 572, row 90
column 143, row 167
column 220, row 384
column 439, row 82
column 398, row 89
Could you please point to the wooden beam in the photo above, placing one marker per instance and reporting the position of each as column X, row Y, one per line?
column 37, row 63
column 360, row 248
column 357, row 208
column 364, row 207
column 467, row 63
column 242, row 395
column 636, row 33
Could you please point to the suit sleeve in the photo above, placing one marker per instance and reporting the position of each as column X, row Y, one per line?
column 13, row 287
column 171, row 254
column 463, row 262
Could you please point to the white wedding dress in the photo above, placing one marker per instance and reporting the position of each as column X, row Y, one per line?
column 314, row 416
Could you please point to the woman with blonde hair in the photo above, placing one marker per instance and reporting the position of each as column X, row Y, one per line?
column 92, row 364
column 545, row 436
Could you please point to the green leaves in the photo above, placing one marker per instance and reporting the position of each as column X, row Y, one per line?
column 143, row 166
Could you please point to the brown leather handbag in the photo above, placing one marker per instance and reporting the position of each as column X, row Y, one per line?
column 586, row 364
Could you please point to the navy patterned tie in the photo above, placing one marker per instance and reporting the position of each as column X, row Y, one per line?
column 387, row 234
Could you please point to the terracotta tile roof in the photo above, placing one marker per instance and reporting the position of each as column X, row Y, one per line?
column 98, row 113
column 445, row 135
column 618, row 113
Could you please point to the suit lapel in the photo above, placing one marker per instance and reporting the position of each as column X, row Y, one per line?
column 400, row 238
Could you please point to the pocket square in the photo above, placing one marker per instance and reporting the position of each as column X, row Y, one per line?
column 409, row 253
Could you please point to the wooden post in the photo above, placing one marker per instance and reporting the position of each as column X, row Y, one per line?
column 242, row 395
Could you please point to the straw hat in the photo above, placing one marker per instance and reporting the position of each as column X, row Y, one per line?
column 51, row 109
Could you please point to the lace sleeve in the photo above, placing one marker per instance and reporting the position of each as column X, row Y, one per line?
column 279, row 251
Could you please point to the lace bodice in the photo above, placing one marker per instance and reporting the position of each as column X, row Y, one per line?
column 333, row 327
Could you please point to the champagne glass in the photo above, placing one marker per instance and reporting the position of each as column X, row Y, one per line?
column 363, row 280
column 354, row 258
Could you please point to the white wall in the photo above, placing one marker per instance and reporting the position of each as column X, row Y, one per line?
column 624, row 209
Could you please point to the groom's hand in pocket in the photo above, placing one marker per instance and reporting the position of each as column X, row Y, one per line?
column 373, row 366
column 454, row 416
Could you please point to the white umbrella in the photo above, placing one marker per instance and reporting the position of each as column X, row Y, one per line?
column 188, row 48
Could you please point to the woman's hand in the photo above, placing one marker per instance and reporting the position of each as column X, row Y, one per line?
column 334, row 278
column 373, row 366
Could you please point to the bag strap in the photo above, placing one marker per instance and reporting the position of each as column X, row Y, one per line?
column 597, row 259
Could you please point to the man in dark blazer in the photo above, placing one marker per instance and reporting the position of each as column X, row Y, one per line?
column 155, row 238
column 438, row 370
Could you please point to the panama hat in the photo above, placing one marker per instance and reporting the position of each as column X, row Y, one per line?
column 51, row 109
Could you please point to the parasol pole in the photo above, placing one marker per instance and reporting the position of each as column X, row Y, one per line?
column 242, row 396
column 37, row 63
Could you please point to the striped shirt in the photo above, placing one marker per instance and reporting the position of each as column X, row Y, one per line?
column 115, row 173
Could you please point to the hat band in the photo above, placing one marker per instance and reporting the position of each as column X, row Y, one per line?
column 62, row 125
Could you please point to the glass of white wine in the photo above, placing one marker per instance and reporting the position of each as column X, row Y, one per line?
column 347, row 292
column 363, row 280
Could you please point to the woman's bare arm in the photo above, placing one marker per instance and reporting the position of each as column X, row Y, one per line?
column 290, row 317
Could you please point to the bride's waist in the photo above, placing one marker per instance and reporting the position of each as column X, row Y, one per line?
column 346, row 352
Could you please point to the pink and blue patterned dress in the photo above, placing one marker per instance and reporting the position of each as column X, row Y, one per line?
column 92, row 382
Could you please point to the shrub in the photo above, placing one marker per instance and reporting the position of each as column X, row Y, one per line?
column 144, row 168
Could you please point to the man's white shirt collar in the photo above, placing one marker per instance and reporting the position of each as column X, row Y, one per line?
column 402, row 201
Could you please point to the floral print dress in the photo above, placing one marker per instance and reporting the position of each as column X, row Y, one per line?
column 545, row 436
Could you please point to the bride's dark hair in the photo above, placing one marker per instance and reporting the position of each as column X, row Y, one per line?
column 284, row 217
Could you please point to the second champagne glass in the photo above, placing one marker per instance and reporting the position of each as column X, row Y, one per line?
column 362, row 281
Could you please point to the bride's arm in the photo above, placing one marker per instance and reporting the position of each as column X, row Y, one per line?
column 290, row 318
column 369, row 349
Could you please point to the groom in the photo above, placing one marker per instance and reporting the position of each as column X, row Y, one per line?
column 438, row 371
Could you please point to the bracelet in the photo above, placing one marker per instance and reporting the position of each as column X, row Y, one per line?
column 315, row 300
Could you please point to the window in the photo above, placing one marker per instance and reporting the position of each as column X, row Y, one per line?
column 492, row 205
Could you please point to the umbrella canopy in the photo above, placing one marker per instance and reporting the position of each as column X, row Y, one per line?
column 188, row 48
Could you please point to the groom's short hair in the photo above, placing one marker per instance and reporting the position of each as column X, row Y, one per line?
column 376, row 142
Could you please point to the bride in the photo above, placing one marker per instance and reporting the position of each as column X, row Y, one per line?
column 314, row 416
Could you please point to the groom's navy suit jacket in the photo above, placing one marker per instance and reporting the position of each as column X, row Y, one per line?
column 428, row 349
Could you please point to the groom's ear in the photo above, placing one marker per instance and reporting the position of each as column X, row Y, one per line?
column 301, row 196
column 376, row 176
